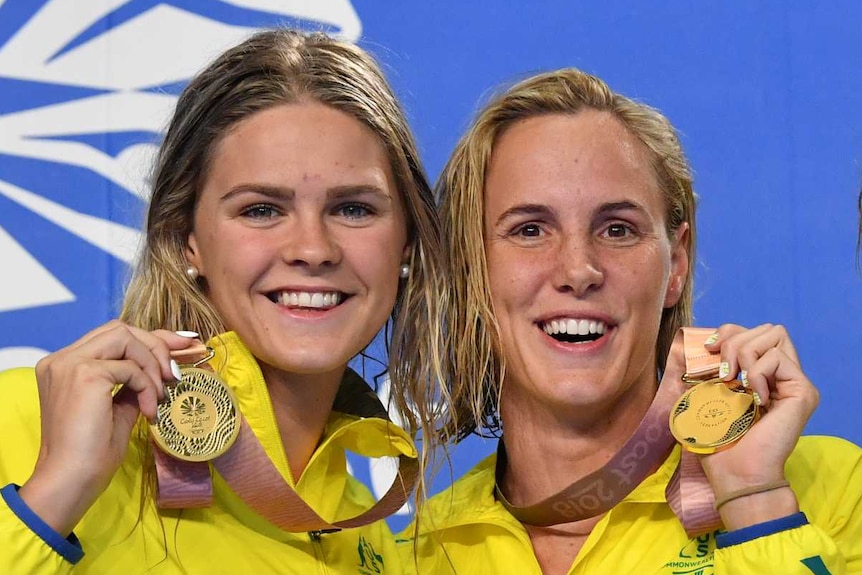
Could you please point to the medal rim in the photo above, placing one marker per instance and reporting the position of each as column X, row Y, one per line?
column 158, row 438
column 708, row 448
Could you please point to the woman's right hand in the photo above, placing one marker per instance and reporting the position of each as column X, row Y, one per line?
column 86, row 427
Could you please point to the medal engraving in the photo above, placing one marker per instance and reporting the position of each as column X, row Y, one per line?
column 199, row 420
column 711, row 416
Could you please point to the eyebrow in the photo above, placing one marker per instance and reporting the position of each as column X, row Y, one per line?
column 523, row 210
column 543, row 210
column 284, row 193
column 350, row 191
column 622, row 206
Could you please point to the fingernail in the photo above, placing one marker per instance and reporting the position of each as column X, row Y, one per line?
column 757, row 399
column 175, row 369
column 188, row 334
column 155, row 419
column 711, row 339
column 723, row 370
column 743, row 377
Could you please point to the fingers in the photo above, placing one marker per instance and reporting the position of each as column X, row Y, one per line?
column 760, row 357
column 136, row 381
column 150, row 350
column 117, row 354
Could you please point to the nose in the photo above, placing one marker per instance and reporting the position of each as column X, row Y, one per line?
column 311, row 243
column 579, row 267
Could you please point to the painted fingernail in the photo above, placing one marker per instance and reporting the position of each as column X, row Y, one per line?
column 723, row 370
column 711, row 339
column 175, row 370
column 188, row 334
column 743, row 377
column 757, row 399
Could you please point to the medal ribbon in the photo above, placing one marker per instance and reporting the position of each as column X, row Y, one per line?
column 688, row 492
column 250, row 473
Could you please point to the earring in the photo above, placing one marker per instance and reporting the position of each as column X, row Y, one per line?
column 192, row 272
column 405, row 271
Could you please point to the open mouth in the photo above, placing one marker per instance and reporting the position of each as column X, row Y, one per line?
column 308, row 300
column 574, row 330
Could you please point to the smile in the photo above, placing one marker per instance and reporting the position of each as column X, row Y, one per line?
column 310, row 300
column 570, row 330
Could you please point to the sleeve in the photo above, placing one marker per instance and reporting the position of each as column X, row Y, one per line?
column 801, row 550
column 28, row 545
column 826, row 539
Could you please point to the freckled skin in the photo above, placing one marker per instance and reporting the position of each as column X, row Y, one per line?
column 305, row 151
column 571, row 166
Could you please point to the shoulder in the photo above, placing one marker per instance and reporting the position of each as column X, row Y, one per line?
column 20, row 433
column 819, row 457
column 18, row 381
column 470, row 499
column 20, row 398
column 826, row 474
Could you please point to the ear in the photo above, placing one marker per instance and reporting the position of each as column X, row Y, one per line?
column 678, row 265
column 192, row 254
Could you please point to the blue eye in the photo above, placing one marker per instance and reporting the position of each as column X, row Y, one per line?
column 354, row 211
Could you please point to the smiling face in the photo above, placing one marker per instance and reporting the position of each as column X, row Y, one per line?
column 299, row 232
column 580, row 265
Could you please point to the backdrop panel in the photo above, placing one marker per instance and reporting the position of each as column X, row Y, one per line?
column 765, row 94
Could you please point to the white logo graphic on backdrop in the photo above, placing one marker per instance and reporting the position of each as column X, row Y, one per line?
column 153, row 44
column 87, row 88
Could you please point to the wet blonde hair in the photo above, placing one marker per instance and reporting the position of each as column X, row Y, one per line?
column 271, row 68
column 475, row 370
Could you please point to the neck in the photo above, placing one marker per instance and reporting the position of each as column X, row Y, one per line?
column 548, row 449
column 302, row 404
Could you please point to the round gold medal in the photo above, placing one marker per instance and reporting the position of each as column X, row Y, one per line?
column 710, row 416
column 199, row 419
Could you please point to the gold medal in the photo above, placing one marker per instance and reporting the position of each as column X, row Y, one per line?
column 199, row 419
column 712, row 415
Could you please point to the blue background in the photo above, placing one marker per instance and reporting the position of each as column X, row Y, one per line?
column 766, row 96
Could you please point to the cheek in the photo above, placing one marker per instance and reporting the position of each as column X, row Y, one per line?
column 380, row 267
column 514, row 276
column 234, row 259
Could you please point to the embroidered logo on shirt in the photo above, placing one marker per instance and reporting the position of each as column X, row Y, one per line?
column 370, row 562
column 696, row 558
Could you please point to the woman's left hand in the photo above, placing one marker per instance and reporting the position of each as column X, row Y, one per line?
column 764, row 359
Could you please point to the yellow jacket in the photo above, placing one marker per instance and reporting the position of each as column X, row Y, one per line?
column 225, row 538
column 641, row 535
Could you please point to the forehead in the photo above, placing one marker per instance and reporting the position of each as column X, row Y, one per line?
column 299, row 144
column 587, row 156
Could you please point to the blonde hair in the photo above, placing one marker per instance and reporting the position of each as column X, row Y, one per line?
column 475, row 370
column 272, row 68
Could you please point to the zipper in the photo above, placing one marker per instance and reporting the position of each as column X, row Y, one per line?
column 317, row 546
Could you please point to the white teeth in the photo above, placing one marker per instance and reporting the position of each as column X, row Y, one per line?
column 584, row 327
column 315, row 300
column 574, row 327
